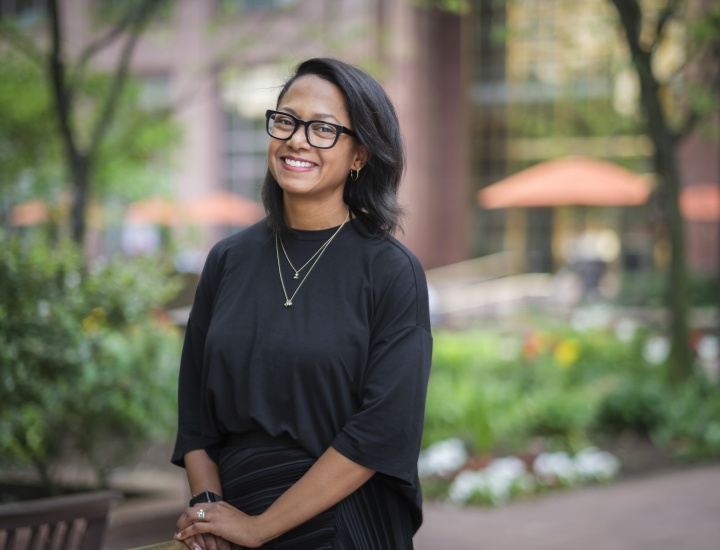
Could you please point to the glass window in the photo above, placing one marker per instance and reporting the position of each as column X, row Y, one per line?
column 25, row 12
column 245, row 149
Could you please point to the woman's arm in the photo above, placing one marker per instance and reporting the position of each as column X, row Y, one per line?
column 332, row 478
column 203, row 475
column 202, row 472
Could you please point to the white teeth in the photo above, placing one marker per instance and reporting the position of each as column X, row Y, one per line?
column 298, row 163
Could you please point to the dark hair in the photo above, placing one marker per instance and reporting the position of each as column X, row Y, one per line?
column 373, row 197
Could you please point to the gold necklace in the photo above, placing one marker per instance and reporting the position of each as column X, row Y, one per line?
column 317, row 256
column 296, row 270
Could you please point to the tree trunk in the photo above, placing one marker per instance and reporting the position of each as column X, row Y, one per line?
column 79, row 160
column 666, row 167
column 80, row 189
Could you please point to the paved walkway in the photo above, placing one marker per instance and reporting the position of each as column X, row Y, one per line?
column 670, row 511
column 674, row 511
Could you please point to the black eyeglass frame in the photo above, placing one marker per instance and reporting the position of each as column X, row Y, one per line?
column 306, row 123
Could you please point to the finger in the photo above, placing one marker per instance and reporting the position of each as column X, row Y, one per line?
column 186, row 519
column 193, row 530
column 222, row 544
column 192, row 543
column 210, row 542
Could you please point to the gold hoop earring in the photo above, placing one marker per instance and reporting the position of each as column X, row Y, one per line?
column 355, row 176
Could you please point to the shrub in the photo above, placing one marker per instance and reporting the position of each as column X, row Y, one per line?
column 636, row 405
column 88, row 372
column 649, row 289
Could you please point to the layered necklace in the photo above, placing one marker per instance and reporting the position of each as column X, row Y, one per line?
column 311, row 262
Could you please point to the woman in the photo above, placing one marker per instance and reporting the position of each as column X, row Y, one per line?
column 307, row 352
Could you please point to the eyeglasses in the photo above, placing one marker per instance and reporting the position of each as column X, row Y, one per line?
column 319, row 133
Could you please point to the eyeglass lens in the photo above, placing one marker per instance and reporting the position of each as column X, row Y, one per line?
column 319, row 134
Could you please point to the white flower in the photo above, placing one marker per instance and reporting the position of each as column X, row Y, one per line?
column 625, row 329
column 708, row 349
column 502, row 473
column 467, row 483
column 495, row 482
column 594, row 465
column 442, row 458
column 656, row 350
column 551, row 467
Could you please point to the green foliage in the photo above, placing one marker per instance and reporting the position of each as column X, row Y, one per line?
column 636, row 405
column 500, row 391
column 136, row 157
column 25, row 122
column 578, row 117
column 692, row 421
column 133, row 160
column 561, row 390
column 457, row 7
column 684, row 418
column 649, row 289
column 88, row 372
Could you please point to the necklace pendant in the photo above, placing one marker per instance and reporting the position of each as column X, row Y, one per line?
column 296, row 275
column 288, row 303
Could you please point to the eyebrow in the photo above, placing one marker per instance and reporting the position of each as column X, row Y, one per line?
column 316, row 116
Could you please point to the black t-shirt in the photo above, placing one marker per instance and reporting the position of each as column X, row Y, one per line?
column 346, row 365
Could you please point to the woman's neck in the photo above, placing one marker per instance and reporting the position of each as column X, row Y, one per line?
column 314, row 217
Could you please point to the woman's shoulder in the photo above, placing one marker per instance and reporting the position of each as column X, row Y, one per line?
column 389, row 254
column 237, row 245
column 386, row 249
column 254, row 235
column 399, row 285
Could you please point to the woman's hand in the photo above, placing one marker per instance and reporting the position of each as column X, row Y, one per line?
column 208, row 542
column 222, row 524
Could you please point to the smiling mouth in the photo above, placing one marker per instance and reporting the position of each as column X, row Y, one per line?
column 298, row 163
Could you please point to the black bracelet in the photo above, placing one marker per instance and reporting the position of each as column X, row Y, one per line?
column 205, row 496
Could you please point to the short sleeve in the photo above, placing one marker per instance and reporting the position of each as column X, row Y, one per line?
column 386, row 432
column 190, row 403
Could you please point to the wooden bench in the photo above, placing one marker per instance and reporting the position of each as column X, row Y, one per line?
column 74, row 522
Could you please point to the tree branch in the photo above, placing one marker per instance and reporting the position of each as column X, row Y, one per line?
column 631, row 20
column 109, row 109
column 112, row 34
column 60, row 91
column 695, row 116
column 666, row 14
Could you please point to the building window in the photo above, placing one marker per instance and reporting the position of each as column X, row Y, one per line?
column 25, row 12
column 245, row 150
column 245, row 96
column 155, row 91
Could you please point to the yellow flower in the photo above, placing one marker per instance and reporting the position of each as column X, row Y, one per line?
column 94, row 322
column 567, row 352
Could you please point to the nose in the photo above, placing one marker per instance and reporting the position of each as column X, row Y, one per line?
column 299, row 139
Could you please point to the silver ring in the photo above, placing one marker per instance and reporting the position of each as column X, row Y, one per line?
column 201, row 514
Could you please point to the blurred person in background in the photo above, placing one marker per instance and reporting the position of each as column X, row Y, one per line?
column 307, row 354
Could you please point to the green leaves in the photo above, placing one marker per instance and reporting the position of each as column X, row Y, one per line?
column 87, row 370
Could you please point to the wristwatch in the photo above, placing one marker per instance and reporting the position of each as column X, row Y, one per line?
column 205, row 496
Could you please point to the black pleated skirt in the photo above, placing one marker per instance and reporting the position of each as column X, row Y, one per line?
column 375, row 517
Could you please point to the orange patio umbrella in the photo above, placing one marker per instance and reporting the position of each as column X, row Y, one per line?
column 223, row 208
column 33, row 212
column 701, row 202
column 565, row 182
column 154, row 211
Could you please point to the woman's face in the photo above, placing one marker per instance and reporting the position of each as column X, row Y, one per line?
column 301, row 170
